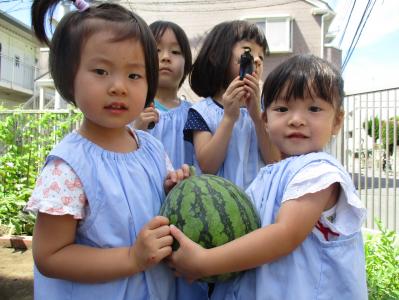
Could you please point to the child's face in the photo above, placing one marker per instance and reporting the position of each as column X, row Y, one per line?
column 256, row 52
column 302, row 126
column 110, row 86
column 171, row 61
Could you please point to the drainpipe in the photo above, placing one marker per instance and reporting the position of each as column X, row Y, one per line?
column 65, row 8
column 337, row 147
column 325, row 14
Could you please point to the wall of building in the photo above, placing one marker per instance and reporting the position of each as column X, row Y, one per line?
column 17, row 62
column 198, row 17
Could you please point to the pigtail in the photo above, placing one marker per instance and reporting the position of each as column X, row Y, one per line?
column 41, row 9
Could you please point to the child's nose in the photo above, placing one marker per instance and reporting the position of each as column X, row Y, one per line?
column 297, row 120
column 117, row 88
column 164, row 56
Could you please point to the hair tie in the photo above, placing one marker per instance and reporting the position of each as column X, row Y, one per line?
column 81, row 5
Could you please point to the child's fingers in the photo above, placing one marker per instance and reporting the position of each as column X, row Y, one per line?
column 151, row 111
column 154, row 115
column 236, row 83
column 168, row 185
column 235, row 96
column 164, row 252
column 236, row 90
column 162, row 231
column 171, row 177
column 186, row 170
column 179, row 175
column 157, row 222
column 177, row 234
column 147, row 117
column 165, row 241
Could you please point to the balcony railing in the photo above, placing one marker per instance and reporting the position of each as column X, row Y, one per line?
column 16, row 74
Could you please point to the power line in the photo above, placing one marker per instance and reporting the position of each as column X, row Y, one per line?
column 358, row 32
column 18, row 9
column 9, row 1
column 196, row 6
column 9, row 9
column 346, row 25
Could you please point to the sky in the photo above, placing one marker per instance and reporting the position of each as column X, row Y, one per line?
column 374, row 63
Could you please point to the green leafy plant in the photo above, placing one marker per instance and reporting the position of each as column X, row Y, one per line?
column 382, row 264
column 25, row 141
column 390, row 125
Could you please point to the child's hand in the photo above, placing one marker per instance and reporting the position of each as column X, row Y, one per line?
column 148, row 115
column 232, row 99
column 252, row 96
column 153, row 244
column 174, row 177
column 186, row 261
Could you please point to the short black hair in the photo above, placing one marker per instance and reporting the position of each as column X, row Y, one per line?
column 158, row 28
column 301, row 75
column 210, row 69
column 76, row 27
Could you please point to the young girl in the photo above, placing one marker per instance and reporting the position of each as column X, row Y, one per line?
column 310, row 244
column 170, row 111
column 226, row 127
column 96, row 234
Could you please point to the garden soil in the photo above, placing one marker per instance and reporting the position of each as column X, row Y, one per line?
column 16, row 274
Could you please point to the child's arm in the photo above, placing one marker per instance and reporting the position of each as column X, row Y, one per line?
column 210, row 150
column 57, row 255
column 148, row 115
column 294, row 222
column 268, row 151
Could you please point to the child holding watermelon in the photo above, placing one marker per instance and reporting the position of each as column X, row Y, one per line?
column 97, row 234
column 310, row 243
column 169, row 113
column 226, row 127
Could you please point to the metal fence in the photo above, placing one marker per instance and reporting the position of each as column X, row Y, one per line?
column 16, row 73
column 370, row 153
column 22, row 120
column 366, row 150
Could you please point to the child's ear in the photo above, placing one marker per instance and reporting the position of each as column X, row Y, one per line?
column 264, row 119
column 339, row 120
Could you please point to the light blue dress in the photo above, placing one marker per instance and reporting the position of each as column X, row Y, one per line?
column 243, row 160
column 124, row 191
column 318, row 268
column 169, row 130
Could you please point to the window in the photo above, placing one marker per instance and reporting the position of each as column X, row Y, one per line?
column 17, row 61
column 278, row 31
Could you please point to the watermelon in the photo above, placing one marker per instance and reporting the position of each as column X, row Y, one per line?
column 211, row 211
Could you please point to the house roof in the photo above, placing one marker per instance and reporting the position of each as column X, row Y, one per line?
column 16, row 23
column 320, row 4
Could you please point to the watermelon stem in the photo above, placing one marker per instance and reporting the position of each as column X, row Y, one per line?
column 192, row 171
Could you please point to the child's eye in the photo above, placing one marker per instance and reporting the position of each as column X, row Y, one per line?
column 100, row 72
column 134, row 76
column 280, row 109
column 314, row 109
column 176, row 52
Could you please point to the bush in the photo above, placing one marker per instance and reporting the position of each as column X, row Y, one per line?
column 384, row 125
column 26, row 139
column 382, row 264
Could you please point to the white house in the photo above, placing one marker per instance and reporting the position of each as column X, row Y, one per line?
column 17, row 61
